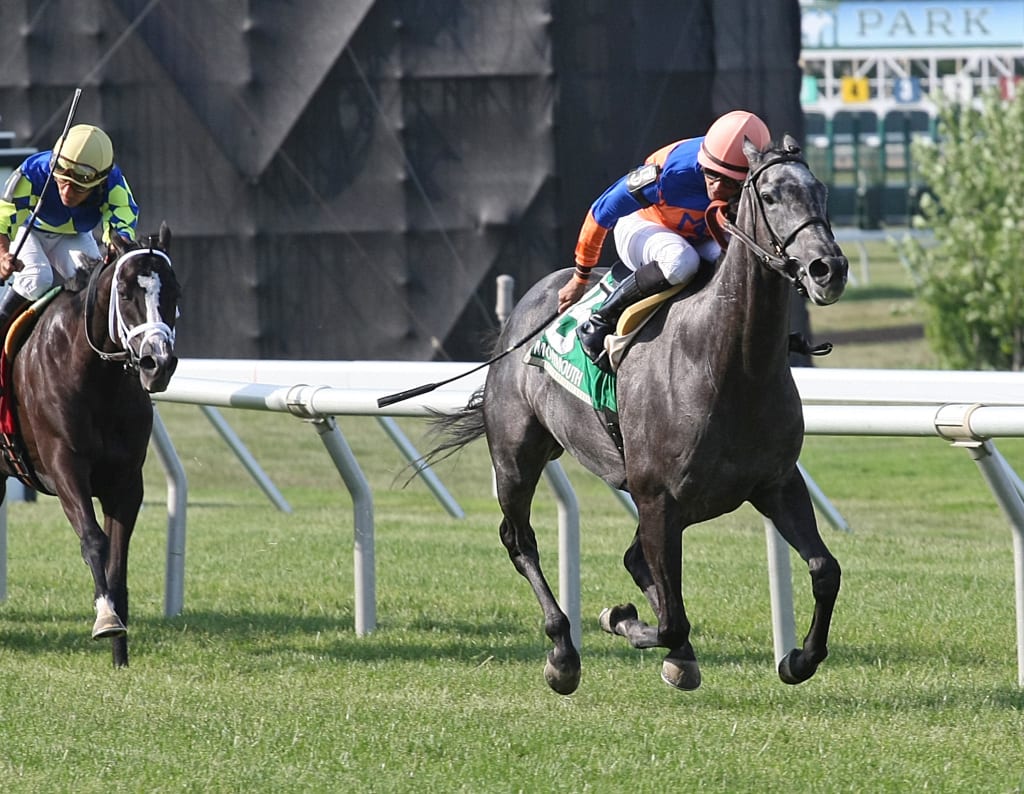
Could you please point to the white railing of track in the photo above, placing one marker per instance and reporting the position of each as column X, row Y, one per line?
column 969, row 409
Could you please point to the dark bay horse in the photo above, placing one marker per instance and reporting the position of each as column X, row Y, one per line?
column 80, row 387
column 709, row 414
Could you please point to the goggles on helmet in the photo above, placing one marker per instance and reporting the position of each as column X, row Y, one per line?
column 714, row 176
column 79, row 173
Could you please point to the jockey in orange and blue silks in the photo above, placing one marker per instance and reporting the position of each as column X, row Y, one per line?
column 657, row 212
column 87, row 191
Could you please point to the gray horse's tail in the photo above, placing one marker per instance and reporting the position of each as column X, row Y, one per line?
column 458, row 428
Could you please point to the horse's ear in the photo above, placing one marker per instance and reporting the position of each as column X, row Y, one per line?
column 117, row 243
column 165, row 236
column 790, row 145
column 751, row 151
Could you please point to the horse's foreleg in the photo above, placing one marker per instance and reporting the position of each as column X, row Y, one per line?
column 790, row 509
column 95, row 547
column 660, row 533
column 95, row 551
column 118, row 525
column 654, row 559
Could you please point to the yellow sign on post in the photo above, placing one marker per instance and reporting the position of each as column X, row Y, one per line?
column 855, row 89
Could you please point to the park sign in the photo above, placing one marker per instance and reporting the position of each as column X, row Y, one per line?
column 912, row 24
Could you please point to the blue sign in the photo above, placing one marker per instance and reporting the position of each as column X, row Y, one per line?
column 906, row 89
column 911, row 24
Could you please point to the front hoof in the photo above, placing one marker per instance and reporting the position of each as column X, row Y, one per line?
column 793, row 670
column 611, row 617
column 681, row 673
column 564, row 680
column 108, row 626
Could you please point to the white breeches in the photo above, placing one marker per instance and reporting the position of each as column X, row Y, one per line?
column 46, row 252
column 640, row 241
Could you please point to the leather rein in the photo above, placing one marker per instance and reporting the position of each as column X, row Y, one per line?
column 118, row 331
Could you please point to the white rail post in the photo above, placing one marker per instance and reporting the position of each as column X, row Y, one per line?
column 780, row 587
column 568, row 549
column 994, row 470
column 177, row 505
column 245, row 457
column 364, row 558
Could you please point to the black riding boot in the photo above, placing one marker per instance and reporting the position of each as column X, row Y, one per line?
column 11, row 305
column 647, row 280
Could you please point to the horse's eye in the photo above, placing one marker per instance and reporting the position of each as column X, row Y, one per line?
column 767, row 198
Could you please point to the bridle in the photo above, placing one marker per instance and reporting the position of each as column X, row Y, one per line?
column 780, row 261
column 118, row 330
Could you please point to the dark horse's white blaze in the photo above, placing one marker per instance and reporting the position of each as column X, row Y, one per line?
column 709, row 413
column 81, row 384
column 149, row 343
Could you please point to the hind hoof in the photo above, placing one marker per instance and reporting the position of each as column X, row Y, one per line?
column 680, row 673
column 611, row 617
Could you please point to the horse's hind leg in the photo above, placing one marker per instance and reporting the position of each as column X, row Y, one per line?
column 790, row 509
column 624, row 619
column 518, row 469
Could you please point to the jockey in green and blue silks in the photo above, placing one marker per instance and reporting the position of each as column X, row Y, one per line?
column 87, row 191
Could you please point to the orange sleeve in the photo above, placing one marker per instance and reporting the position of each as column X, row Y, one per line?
column 588, row 246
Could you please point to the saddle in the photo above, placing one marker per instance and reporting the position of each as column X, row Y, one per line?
column 12, row 449
column 634, row 318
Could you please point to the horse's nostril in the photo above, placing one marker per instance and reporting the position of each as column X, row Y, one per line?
column 147, row 363
column 828, row 268
column 820, row 271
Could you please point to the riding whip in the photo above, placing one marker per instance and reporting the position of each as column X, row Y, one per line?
column 391, row 399
column 49, row 175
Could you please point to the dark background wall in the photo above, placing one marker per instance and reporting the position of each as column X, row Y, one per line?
column 346, row 180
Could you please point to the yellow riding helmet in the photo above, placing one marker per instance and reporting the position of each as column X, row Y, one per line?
column 86, row 156
column 722, row 148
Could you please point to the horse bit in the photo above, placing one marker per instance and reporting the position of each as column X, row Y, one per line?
column 118, row 329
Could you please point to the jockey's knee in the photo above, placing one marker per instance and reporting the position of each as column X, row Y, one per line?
column 679, row 264
column 33, row 281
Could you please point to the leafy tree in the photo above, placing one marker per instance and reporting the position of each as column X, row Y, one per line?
column 971, row 276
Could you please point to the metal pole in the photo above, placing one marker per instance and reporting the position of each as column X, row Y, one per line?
column 568, row 549
column 780, row 586
column 505, row 300
column 362, row 507
column 246, row 457
column 822, row 502
column 414, row 458
column 994, row 470
column 177, row 505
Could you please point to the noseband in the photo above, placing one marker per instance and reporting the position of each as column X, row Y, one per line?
column 118, row 330
column 781, row 262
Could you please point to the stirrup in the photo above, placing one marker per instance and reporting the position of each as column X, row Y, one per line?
column 798, row 344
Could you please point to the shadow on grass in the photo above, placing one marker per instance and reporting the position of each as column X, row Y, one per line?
column 259, row 635
column 873, row 293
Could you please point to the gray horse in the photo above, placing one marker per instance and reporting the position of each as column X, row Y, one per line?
column 709, row 417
